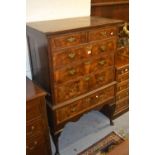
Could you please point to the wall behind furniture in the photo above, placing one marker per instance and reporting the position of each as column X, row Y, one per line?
column 38, row 10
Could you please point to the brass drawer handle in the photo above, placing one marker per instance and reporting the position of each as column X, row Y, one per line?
column 71, row 39
column 103, row 33
column 103, row 48
column 125, row 29
column 87, row 78
column 71, row 55
column 102, row 62
column 72, row 71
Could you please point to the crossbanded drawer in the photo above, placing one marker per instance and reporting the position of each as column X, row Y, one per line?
column 34, row 109
column 87, row 67
column 102, row 33
column 83, row 85
column 84, row 104
column 122, row 86
column 122, row 94
column 121, row 105
column 68, row 40
column 74, row 54
column 35, row 127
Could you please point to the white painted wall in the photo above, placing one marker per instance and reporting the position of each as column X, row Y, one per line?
column 38, row 10
column 56, row 9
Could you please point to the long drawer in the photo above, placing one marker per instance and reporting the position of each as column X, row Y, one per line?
column 83, row 85
column 80, row 53
column 87, row 67
column 86, row 103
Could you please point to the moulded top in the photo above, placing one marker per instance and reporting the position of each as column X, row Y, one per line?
column 53, row 26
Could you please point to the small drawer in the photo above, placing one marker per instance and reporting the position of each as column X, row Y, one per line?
column 66, row 74
column 83, row 85
column 123, row 77
column 122, row 94
column 121, row 105
column 102, row 33
column 122, row 71
column 84, row 104
column 34, row 108
column 34, row 127
column 68, row 40
column 123, row 85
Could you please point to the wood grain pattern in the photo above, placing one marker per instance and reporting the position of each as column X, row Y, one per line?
column 114, row 9
column 78, row 64
column 37, row 133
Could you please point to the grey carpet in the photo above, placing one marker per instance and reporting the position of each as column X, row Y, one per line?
column 90, row 128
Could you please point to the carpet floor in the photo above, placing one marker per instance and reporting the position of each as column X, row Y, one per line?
column 90, row 128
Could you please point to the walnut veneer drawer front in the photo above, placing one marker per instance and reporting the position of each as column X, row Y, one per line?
column 84, row 104
column 102, row 33
column 68, row 40
column 87, row 67
column 71, row 55
column 83, row 85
